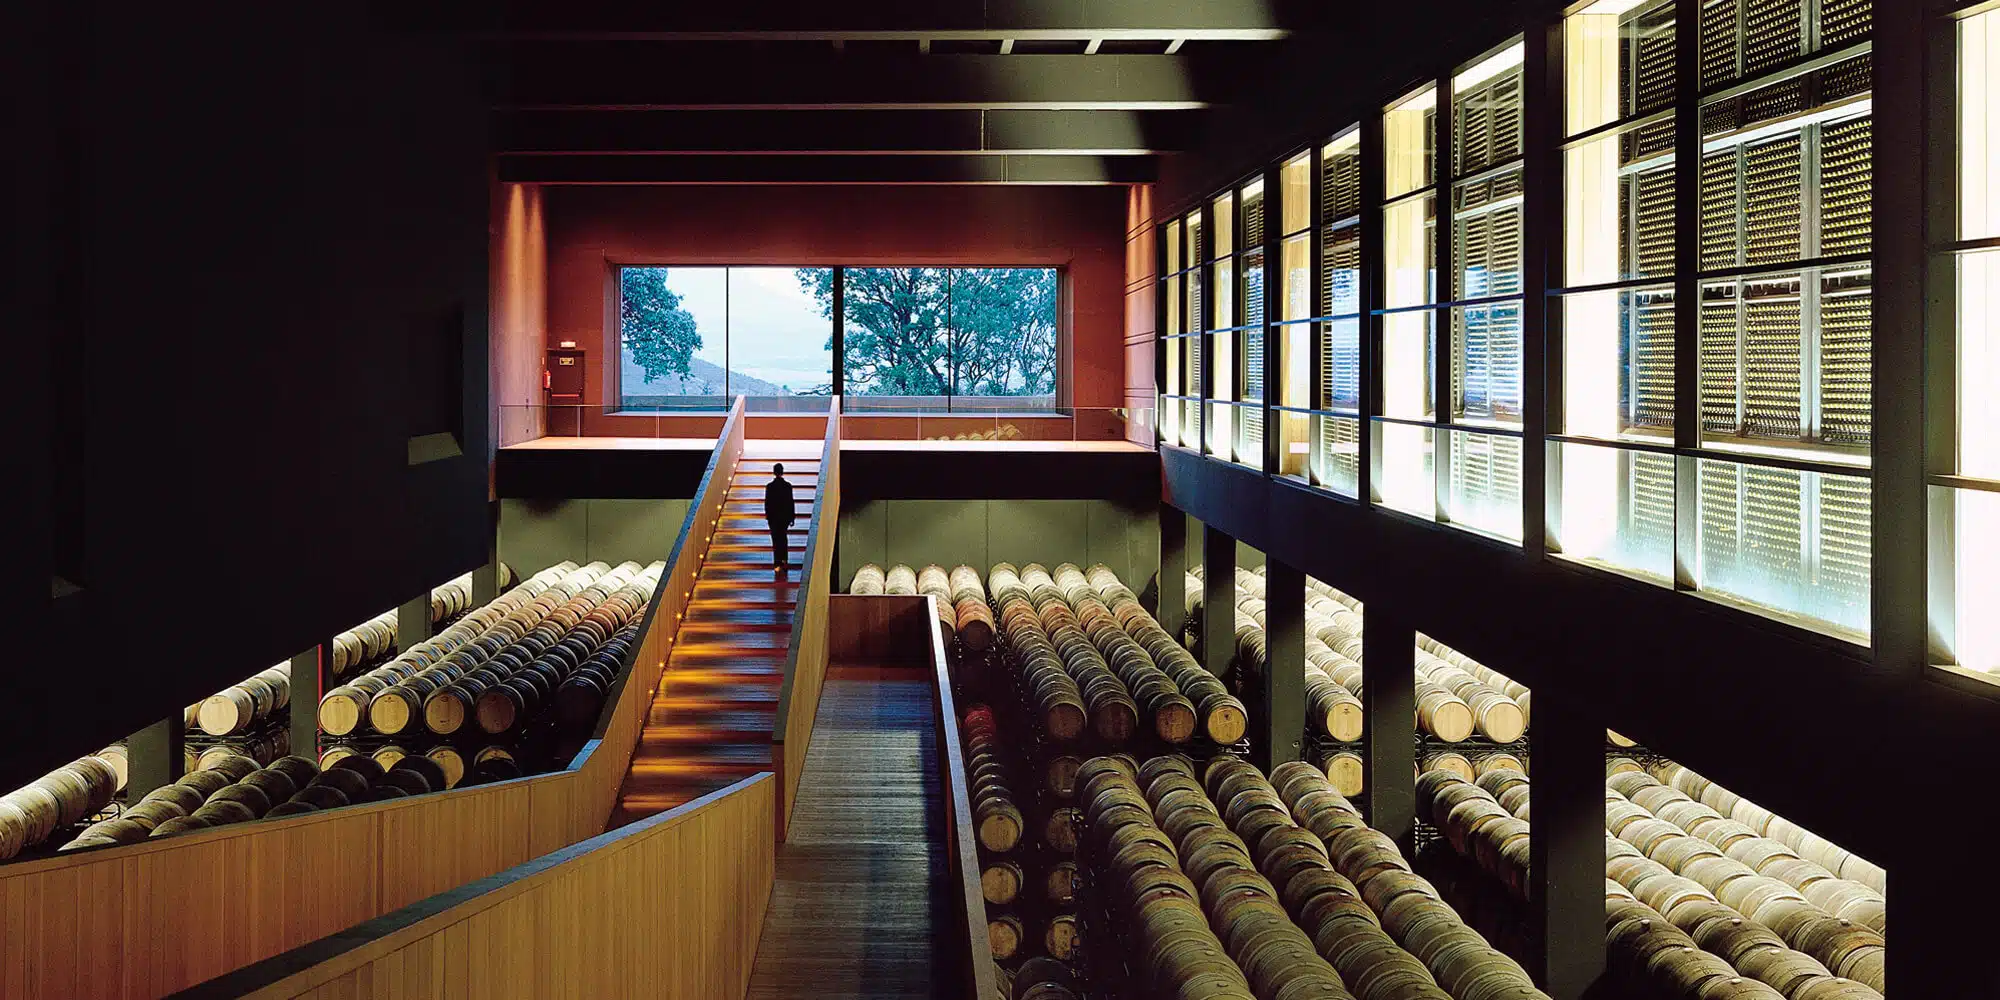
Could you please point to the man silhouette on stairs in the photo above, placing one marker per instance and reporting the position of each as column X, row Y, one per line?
column 779, row 511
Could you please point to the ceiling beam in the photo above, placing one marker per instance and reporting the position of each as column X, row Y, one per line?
column 1068, row 170
column 626, row 77
column 669, row 133
column 878, row 20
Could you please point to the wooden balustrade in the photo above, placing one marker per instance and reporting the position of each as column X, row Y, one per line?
column 961, row 844
column 805, row 660
column 143, row 920
column 670, row 906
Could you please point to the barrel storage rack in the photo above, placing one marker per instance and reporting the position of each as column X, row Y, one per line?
column 509, row 689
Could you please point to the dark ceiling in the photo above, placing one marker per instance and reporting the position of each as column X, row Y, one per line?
column 940, row 91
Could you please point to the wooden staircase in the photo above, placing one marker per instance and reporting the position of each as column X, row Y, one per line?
column 711, row 719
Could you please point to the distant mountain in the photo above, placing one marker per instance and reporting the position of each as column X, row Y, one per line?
column 704, row 378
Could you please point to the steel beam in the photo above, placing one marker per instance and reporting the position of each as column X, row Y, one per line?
column 883, row 20
column 1072, row 133
column 632, row 77
column 869, row 169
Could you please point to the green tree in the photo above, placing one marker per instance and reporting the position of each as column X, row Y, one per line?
column 927, row 331
column 660, row 334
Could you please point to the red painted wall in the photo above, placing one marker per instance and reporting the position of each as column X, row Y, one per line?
column 1141, row 323
column 1081, row 229
column 518, row 311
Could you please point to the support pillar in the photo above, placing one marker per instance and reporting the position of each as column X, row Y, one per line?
column 486, row 579
column 308, row 686
column 413, row 622
column 1218, row 600
column 1171, row 588
column 155, row 756
column 1389, row 700
column 1566, row 848
column 1279, row 733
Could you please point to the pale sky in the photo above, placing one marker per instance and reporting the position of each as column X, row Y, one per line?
column 774, row 329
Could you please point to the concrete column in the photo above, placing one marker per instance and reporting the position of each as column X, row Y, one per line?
column 1171, row 587
column 413, row 622
column 155, row 756
column 307, row 689
column 1566, row 848
column 486, row 579
column 1218, row 600
column 1389, row 697
column 1278, row 732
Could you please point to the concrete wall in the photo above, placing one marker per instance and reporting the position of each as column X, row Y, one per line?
column 980, row 533
column 537, row 533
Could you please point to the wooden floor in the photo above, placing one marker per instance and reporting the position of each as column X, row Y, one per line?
column 861, row 882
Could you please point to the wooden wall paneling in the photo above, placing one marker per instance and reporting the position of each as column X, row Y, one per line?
column 670, row 906
column 47, row 951
column 464, row 838
column 875, row 629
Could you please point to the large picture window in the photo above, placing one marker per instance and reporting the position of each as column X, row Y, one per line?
column 909, row 338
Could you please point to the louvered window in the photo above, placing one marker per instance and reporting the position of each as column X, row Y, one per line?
column 1487, row 369
column 1340, row 365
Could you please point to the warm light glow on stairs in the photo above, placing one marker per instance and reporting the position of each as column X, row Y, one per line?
column 711, row 719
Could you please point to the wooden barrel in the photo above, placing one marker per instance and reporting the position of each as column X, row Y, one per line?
column 1060, row 884
column 868, row 580
column 999, row 825
column 1443, row 714
column 448, row 708
column 1000, row 882
column 1456, row 763
column 388, row 755
column 1004, row 935
column 227, row 712
column 451, row 761
column 1062, row 936
column 1497, row 716
column 1619, row 740
column 900, row 580
column 973, row 623
column 341, row 710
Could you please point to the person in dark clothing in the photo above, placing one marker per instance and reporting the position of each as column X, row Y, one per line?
column 779, row 511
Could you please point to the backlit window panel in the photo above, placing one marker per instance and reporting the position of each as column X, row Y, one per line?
column 1846, row 329
column 1487, row 362
column 1618, row 363
column 1486, row 106
column 1340, row 364
column 1845, row 190
column 1340, row 178
column 1617, row 508
column 1486, row 222
column 1484, row 488
column 1340, row 266
column 1337, row 454
column 1788, row 540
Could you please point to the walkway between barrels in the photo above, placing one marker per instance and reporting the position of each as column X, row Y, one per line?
column 861, row 892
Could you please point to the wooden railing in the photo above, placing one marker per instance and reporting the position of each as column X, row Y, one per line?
column 670, row 906
column 805, row 659
column 967, row 934
column 142, row 920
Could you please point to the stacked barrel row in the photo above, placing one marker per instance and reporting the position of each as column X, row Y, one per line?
column 1332, row 681
column 1219, row 716
column 1055, row 684
column 962, row 609
column 511, row 654
column 511, row 687
column 1755, row 877
column 1030, row 894
column 1409, row 908
column 32, row 814
column 1243, row 905
column 1148, row 897
column 345, row 709
column 1676, row 906
column 1836, row 860
column 376, row 637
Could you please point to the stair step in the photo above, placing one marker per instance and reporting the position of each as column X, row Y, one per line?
column 747, row 573
column 756, row 721
column 721, row 613
column 728, row 641
column 740, row 697
column 710, row 759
